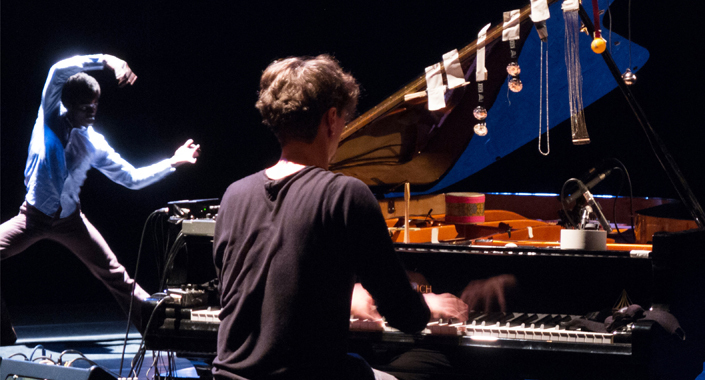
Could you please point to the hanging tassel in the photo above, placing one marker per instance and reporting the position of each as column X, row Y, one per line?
column 575, row 79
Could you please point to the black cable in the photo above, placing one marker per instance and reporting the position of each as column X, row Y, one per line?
column 609, row 38
column 616, row 198
column 166, row 244
column 624, row 176
column 168, row 362
column 44, row 358
column 665, row 159
column 156, row 357
column 44, row 351
column 172, row 363
column 19, row 354
column 81, row 357
column 91, row 362
column 134, row 286
column 179, row 242
column 142, row 350
column 161, row 239
column 565, row 212
column 69, row 351
column 155, row 242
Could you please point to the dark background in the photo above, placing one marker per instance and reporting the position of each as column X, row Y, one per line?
column 199, row 64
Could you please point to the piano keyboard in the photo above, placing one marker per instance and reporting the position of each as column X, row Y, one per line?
column 478, row 327
column 209, row 315
column 495, row 326
column 522, row 341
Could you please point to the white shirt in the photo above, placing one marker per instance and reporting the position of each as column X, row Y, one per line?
column 54, row 174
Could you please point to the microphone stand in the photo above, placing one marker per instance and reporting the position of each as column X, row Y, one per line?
column 588, row 205
column 658, row 147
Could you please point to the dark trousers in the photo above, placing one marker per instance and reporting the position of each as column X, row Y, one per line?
column 78, row 235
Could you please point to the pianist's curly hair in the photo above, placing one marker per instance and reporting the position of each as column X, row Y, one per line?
column 296, row 92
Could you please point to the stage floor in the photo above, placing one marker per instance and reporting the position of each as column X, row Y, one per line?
column 95, row 330
column 98, row 332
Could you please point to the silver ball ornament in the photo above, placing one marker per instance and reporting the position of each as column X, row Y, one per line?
column 629, row 77
column 480, row 113
column 515, row 84
column 480, row 129
column 513, row 69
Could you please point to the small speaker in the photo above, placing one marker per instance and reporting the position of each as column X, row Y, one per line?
column 25, row 370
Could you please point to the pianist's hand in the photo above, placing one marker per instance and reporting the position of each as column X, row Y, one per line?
column 363, row 306
column 446, row 305
column 488, row 294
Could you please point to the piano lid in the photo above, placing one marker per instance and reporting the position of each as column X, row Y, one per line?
column 401, row 141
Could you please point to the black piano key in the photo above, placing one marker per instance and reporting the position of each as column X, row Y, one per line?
column 544, row 320
column 491, row 318
column 522, row 318
column 474, row 316
column 505, row 318
column 553, row 322
column 532, row 318
column 565, row 319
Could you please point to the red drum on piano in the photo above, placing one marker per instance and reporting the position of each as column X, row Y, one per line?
column 465, row 208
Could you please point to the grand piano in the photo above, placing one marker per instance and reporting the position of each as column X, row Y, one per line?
column 533, row 339
column 400, row 141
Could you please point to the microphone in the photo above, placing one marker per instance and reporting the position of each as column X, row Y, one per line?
column 597, row 210
column 588, row 186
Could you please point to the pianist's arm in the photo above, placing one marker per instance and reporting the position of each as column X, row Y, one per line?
column 488, row 294
column 376, row 264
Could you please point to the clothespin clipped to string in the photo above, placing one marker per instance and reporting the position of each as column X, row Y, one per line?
column 451, row 71
column 539, row 15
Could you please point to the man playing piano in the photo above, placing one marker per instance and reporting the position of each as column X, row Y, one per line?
column 291, row 241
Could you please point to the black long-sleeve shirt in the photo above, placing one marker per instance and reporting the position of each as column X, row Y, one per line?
column 287, row 253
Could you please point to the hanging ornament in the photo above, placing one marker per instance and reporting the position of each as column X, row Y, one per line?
column 571, row 18
column 510, row 34
column 515, row 84
column 629, row 77
column 480, row 129
column 513, row 69
column 480, row 112
column 598, row 44
column 539, row 15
